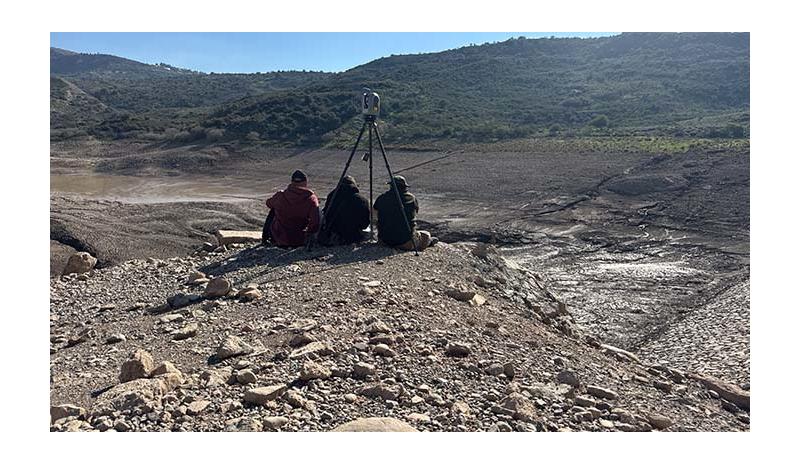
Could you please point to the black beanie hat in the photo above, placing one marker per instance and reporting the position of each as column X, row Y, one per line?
column 298, row 176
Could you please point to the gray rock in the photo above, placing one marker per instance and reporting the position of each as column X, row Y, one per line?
column 186, row 332
column 458, row 349
column 80, row 262
column 231, row 347
column 58, row 412
column 601, row 392
column 139, row 365
column 263, row 395
column 312, row 370
column 568, row 377
column 376, row 424
column 217, row 287
column 246, row 377
column 362, row 370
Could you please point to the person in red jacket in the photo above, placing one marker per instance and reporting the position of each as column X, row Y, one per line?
column 296, row 213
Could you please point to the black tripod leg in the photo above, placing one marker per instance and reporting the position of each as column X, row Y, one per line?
column 394, row 187
column 328, row 215
column 371, row 222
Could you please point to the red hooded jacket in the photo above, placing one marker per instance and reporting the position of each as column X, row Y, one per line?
column 296, row 215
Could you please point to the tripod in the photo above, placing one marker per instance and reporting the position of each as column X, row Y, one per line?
column 370, row 122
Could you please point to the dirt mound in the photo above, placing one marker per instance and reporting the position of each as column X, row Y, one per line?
column 343, row 333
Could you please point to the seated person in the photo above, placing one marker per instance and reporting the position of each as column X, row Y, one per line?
column 296, row 213
column 347, row 215
column 392, row 228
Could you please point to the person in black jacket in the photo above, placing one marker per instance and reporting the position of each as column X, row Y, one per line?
column 346, row 215
column 392, row 228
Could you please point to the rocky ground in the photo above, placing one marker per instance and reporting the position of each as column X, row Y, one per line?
column 457, row 339
column 650, row 253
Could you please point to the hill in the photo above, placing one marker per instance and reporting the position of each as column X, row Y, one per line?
column 687, row 84
column 138, row 87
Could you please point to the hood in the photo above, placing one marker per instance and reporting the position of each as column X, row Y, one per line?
column 296, row 193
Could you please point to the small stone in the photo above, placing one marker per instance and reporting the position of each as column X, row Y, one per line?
column 312, row 370
column 249, row 295
column 418, row 418
column 380, row 390
column 458, row 349
column 372, row 284
column 350, row 398
column 115, row 338
column 246, row 377
column 662, row 385
column 164, row 368
column 58, row 412
column 583, row 416
column 384, row 351
column 231, row 347
column 186, row 332
column 196, row 407
column 139, row 365
column 317, row 347
column 377, row 424
column 568, row 377
column 584, row 401
column 521, row 407
column 494, row 369
column 509, row 370
column 608, row 424
column 217, row 287
column 659, row 421
column 275, row 423
column 301, row 339
column 601, row 392
column 264, row 395
column 378, row 327
column 122, row 426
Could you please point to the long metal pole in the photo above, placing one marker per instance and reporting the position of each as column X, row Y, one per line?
column 394, row 187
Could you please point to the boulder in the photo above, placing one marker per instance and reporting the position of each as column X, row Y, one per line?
column 217, row 287
column 139, row 365
column 263, row 395
column 80, row 262
column 226, row 237
column 375, row 424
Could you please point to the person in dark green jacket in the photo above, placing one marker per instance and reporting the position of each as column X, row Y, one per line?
column 392, row 228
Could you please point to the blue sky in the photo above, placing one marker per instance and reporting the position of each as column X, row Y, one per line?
column 270, row 51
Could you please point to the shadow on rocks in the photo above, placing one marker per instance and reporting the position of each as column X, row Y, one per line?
column 266, row 259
